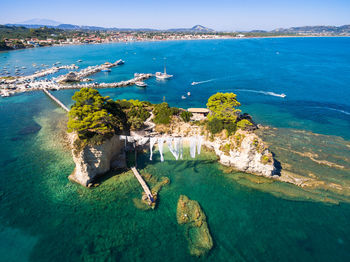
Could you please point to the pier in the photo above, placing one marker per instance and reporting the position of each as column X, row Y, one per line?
column 78, row 76
column 143, row 184
column 55, row 99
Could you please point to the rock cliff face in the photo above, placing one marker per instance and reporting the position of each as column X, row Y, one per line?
column 93, row 161
column 246, row 152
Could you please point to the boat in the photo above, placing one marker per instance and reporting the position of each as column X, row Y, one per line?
column 79, row 61
column 140, row 84
column 163, row 76
column 106, row 70
column 283, row 95
column 183, row 97
column 23, row 67
column 120, row 62
column 194, row 83
column 188, row 93
column 5, row 94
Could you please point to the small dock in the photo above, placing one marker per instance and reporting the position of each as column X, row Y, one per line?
column 55, row 99
column 143, row 184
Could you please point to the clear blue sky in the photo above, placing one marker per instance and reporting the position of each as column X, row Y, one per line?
column 163, row 14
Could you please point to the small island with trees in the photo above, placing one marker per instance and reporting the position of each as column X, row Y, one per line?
column 96, row 125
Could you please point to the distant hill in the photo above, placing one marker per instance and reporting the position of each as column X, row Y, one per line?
column 336, row 30
column 38, row 21
column 196, row 28
column 303, row 30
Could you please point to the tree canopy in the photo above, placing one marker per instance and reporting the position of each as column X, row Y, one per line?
column 223, row 107
column 94, row 115
column 163, row 113
column 225, row 115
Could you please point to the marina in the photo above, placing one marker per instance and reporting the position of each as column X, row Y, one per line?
column 73, row 80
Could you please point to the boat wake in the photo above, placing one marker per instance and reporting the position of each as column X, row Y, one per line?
column 333, row 109
column 212, row 80
column 202, row 82
column 268, row 93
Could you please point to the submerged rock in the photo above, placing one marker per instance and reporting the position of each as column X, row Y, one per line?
column 31, row 129
column 190, row 214
column 92, row 161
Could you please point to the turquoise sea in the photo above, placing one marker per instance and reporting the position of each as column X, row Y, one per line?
column 44, row 217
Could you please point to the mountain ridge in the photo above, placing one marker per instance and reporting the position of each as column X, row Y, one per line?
column 35, row 23
column 318, row 29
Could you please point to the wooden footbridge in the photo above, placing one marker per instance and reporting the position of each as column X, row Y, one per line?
column 143, row 184
column 55, row 100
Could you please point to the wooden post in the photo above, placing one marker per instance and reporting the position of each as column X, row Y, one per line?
column 135, row 154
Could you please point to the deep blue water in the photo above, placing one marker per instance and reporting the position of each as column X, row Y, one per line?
column 314, row 73
column 44, row 217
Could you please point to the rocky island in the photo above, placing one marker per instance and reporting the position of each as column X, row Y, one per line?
column 101, row 130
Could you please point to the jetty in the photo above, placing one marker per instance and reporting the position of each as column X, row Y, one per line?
column 78, row 76
column 143, row 184
column 12, row 89
column 56, row 100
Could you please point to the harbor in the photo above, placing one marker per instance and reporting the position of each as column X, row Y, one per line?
column 12, row 85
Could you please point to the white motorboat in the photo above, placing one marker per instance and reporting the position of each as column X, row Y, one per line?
column 140, row 84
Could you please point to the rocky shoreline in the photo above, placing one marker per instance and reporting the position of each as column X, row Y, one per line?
column 244, row 151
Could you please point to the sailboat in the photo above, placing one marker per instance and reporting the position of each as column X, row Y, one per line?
column 163, row 76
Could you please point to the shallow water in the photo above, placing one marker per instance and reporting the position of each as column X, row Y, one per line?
column 49, row 218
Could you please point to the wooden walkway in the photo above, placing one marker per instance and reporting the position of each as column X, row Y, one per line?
column 143, row 184
column 55, row 99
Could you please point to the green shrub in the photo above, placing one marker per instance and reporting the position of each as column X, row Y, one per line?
column 226, row 149
column 244, row 124
column 230, row 127
column 265, row 159
column 238, row 140
column 186, row 116
column 124, row 104
column 163, row 113
column 215, row 126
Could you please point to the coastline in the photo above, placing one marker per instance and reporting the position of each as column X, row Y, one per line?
column 178, row 40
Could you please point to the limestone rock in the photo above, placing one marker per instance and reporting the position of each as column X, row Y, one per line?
column 93, row 161
column 246, row 152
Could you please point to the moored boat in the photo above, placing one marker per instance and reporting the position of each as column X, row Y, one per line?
column 120, row 62
column 140, row 84
column 163, row 76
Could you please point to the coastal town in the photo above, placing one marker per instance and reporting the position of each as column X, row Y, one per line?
column 26, row 36
column 44, row 36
